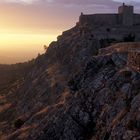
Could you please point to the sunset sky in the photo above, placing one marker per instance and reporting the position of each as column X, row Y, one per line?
column 26, row 25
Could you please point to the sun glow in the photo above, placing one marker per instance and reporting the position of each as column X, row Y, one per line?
column 26, row 26
column 19, row 47
column 8, row 39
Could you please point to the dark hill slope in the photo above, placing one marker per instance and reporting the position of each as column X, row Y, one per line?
column 11, row 78
column 74, row 94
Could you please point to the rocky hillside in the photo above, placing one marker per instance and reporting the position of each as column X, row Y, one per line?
column 77, row 91
column 11, row 78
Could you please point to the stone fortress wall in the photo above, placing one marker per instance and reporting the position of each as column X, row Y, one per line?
column 99, row 19
column 125, row 17
column 136, row 19
column 120, row 25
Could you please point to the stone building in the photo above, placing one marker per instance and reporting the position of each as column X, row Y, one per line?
column 125, row 16
column 113, row 26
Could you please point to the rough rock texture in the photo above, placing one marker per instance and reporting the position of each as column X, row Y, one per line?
column 72, row 93
column 11, row 78
column 134, row 59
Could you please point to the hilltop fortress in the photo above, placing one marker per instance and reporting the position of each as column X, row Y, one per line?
column 125, row 17
column 119, row 27
column 115, row 26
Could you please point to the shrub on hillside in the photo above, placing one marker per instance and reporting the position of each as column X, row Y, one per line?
column 18, row 123
column 129, row 38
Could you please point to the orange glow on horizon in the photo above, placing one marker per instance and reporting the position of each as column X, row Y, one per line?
column 19, row 46
column 26, row 28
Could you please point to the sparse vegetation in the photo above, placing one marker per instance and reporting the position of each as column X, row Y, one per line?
column 18, row 123
column 45, row 47
column 127, row 74
column 129, row 38
column 133, row 124
column 107, row 42
column 10, row 74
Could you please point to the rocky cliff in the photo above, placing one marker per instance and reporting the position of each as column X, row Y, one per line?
column 77, row 91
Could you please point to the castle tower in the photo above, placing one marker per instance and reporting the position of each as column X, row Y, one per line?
column 126, row 15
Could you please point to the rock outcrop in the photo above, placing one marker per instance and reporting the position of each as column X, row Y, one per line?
column 77, row 91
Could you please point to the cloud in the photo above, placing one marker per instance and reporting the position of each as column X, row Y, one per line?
column 20, row 1
column 74, row 2
column 128, row 1
column 85, row 2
